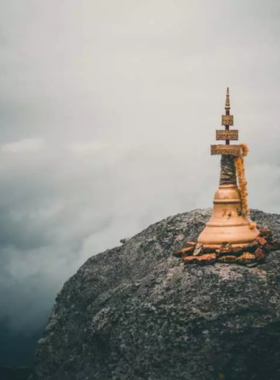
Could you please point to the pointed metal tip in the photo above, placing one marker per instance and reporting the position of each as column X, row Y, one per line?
column 227, row 107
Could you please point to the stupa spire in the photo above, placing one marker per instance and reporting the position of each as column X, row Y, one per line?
column 227, row 106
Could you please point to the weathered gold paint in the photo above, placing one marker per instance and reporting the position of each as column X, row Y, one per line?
column 228, row 150
column 227, row 120
column 227, row 224
column 227, row 135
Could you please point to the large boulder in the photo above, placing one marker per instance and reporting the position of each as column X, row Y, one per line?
column 135, row 312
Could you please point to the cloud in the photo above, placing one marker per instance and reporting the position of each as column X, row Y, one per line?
column 25, row 145
column 89, row 147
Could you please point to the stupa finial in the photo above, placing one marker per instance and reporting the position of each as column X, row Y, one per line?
column 227, row 106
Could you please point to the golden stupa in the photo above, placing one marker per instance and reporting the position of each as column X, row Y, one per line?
column 230, row 221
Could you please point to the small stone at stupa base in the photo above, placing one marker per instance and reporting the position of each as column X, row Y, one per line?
column 261, row 241
column 185, row 251
column 228, row 259
column 260, row 255
column 208, row 258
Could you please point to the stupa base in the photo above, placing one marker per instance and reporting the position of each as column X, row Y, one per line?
column 249, row 254
column 238, row 235
column 227, row 223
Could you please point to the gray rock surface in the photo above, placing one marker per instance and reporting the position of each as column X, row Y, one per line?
column 134, row 312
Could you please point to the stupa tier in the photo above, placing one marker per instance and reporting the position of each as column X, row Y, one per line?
column 227, row 135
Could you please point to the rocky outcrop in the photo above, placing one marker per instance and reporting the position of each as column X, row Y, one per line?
column 136, row 312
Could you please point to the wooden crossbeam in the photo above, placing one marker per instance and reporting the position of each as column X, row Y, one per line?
column 232, row 150
column 227, row 135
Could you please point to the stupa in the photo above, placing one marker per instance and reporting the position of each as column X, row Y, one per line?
column 230, row 221
column 230, row 236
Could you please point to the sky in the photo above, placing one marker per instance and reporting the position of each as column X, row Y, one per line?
column 107, row 113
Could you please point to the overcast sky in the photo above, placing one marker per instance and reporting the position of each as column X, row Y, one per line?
column 107, row 113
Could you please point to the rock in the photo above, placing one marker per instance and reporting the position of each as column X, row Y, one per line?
column 208, row 258
column 178, row 253
column 252, row 264
column 191, row 244
column 261, row 241
column 135, row 313
column 275, row 246
column 227, row 259
column 124, row 241
column 265, row 232
column 246, row 258
column 185, row 251
column 198, row 249
column 259, row 254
